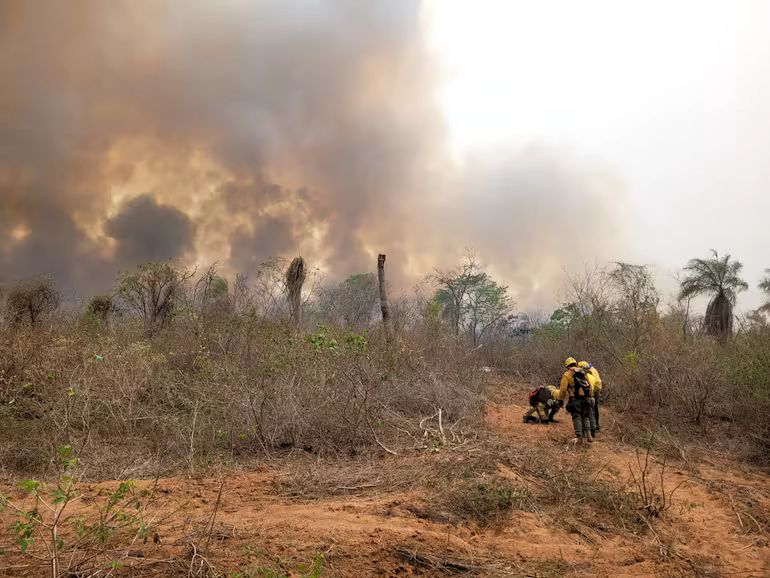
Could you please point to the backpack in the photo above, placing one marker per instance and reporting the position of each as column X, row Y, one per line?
column 539, row 395
column 582, row 389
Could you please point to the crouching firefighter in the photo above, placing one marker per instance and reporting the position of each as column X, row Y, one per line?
column 576, row 387
column 544, row 402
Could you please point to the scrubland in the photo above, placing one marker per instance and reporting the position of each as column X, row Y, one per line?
column 227, row 441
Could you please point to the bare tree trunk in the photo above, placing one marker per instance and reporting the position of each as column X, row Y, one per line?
column 384, row 305
column 295, row 278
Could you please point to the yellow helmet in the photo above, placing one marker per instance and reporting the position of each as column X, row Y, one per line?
column 584, row 364
column 570, row 361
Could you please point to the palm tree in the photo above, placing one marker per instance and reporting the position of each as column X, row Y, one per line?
column 764, row 285
column 717, row 276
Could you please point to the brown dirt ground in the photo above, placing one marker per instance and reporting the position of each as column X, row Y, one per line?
column 718, row 525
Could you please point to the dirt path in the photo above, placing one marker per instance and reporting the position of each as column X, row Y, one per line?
column 717, row 526
column 708, row 527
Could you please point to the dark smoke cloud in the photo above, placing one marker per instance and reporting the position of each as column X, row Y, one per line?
column 258, row 126
column 147, row 231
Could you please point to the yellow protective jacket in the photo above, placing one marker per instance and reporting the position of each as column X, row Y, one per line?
column 566, row 384
column 597, row 377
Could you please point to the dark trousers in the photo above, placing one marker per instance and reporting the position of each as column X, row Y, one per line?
column 596, row 413
column 580, row 410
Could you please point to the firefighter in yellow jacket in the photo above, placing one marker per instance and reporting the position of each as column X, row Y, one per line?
column 545, row 402
column 575, row 386
column 596, row 386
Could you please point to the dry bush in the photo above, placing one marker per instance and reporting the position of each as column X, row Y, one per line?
column 220, row 387
column 31, row 300
column 99, row 310
column 655, row 498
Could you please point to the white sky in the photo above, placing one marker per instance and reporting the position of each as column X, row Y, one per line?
column 673, row 95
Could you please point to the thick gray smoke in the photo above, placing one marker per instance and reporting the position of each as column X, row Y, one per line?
column 235, row 131
column 147, row 231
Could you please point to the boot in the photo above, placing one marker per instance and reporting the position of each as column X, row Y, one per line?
column 589, row 437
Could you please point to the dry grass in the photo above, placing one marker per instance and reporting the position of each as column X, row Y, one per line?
column 447, row 564
column 208, row 391
column 486, row 500
column 431, row 469
column 574, row 490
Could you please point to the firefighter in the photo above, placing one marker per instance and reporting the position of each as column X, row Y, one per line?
column 575, row 387
column 545, row 403
column 596, row 384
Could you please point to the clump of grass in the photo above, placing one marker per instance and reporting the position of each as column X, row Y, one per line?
column 486, row 501
column 576, row 489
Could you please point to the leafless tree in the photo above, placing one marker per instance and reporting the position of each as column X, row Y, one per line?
column 32, row 299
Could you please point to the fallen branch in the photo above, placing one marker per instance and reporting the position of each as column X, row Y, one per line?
column 359, row 487
column 376, row 439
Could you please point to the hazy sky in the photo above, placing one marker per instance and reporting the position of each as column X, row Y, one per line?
column 673, row 96
column 545, row 135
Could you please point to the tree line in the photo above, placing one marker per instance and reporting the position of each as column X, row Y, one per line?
column 465, row 301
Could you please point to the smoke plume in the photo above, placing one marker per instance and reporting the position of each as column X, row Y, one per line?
column 236, row 131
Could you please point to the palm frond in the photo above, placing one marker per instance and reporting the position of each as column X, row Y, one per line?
column 764, row 285
column 719, row 277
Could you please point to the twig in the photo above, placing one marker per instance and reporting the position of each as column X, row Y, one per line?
column 753, row 519
column 579, row 531
column 359, row 487
column 213, row 516
column 423, row 420
column 192, row 436
column 753, row 543
column 379, row 443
